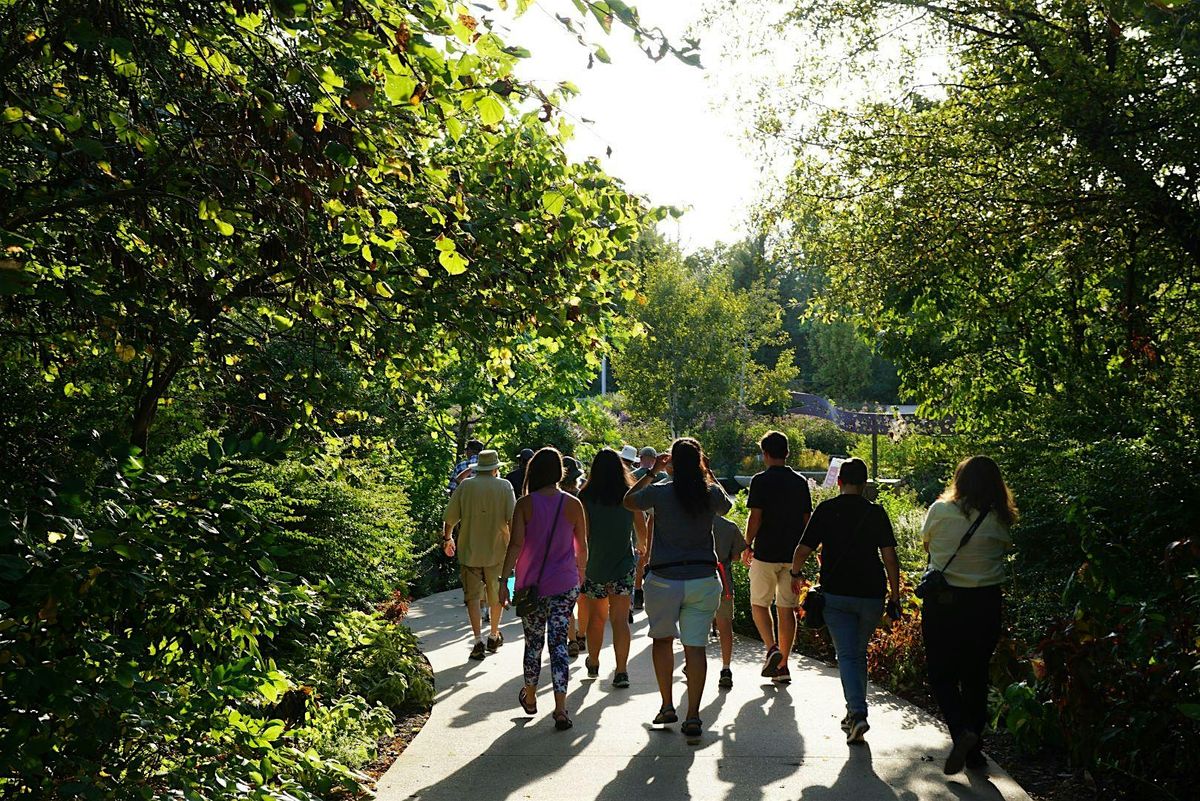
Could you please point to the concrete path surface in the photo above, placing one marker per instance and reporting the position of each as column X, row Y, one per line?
column 761, row 742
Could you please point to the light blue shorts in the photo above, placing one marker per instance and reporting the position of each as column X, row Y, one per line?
column 682, row 608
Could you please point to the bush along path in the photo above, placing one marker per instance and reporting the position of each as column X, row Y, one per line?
column 761, row 741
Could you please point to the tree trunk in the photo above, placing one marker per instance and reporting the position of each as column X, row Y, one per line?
column 147, row 404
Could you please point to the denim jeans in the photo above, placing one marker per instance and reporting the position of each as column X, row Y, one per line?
column 851, row 623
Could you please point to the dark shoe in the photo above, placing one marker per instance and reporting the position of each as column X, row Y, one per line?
column 782, row 676
column 692, row 727
column 771, row 664
column 621, row 681
column 639, row 600
column 846, row 722
column 963, row 744
column 726, row 680
column 631, row 617
column 858, row 728
column 477, row 651
column 581, row 641
column 665, row 717
column 976, row 761
column 592, row 670
column 530, row 709
column 562, row 721
column 494, row 643
column 572, row 648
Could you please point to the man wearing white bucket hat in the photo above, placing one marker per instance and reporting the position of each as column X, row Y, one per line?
column 483, row 504
column 629, row 456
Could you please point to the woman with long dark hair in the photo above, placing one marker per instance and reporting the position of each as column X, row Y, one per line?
column 962, row 626
column 549, row 547
column 682, row 587
column 608, row 585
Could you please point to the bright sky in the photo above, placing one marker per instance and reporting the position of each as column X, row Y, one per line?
column 668, row 142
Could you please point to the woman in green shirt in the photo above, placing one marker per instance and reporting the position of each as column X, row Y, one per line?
column 608, row 587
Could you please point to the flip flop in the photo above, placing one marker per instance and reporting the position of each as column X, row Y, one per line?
column 562, row 721
column 530, row 709
column 692, row 727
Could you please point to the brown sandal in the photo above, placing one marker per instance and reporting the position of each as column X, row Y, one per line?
column 562, row 721
column 530, row 709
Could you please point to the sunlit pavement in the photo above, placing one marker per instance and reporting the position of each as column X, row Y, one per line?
column 760, row 741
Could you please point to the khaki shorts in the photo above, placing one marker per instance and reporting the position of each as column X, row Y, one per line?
column 725, row 610
column 772, row 581
column 480, row 581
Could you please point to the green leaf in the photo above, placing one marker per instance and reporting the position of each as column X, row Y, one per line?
column 491, row 110
column 90, row 147
column 553, row 202
column 399, row 88
column 1191, row 710
column 453, row 261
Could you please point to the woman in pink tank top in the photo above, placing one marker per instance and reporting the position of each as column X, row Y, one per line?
column 548, row 547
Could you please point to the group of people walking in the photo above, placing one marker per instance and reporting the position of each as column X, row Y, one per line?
column 579, row 554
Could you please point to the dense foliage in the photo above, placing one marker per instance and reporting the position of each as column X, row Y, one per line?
column 263, row 265
column 1018, row 233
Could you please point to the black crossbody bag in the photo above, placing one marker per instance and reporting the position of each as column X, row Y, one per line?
column 933, row 585
column 525, row 600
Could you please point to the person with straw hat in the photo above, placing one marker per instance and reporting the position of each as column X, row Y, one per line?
column 483, row 505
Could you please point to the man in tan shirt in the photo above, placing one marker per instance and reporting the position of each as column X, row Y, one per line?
column 482, row 507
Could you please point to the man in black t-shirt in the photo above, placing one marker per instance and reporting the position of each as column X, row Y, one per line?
column 517, row 476
column 852, row 534
column 780, row 506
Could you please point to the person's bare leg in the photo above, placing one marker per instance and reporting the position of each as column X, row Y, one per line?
column 663, row 653
column 560, row 702
column 597, row 614
column 618, row 615
column 571, row 628
column 695, row 668
column 764, row 624
column 725, row 630
column 787, row 632
column 476, row 620
column 584, row 606
column 497, row 613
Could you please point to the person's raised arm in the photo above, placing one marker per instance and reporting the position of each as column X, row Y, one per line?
column 630, row 502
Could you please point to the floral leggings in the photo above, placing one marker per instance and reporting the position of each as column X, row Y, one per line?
column 552, row 613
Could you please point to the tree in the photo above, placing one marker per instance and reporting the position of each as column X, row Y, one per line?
column 182, row 183
column 1023, row 231
column 841, row 362
column 696, row 361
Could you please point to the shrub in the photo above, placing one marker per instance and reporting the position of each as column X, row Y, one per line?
column 347, row 731
column 349, row 526
column 135, row 618
column 1114, row 654
column 363, row 654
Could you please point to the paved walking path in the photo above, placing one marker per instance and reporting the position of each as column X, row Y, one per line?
column 761, row 742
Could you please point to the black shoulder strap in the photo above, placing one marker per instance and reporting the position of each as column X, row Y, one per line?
column 966, row 538
column 550, row 536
